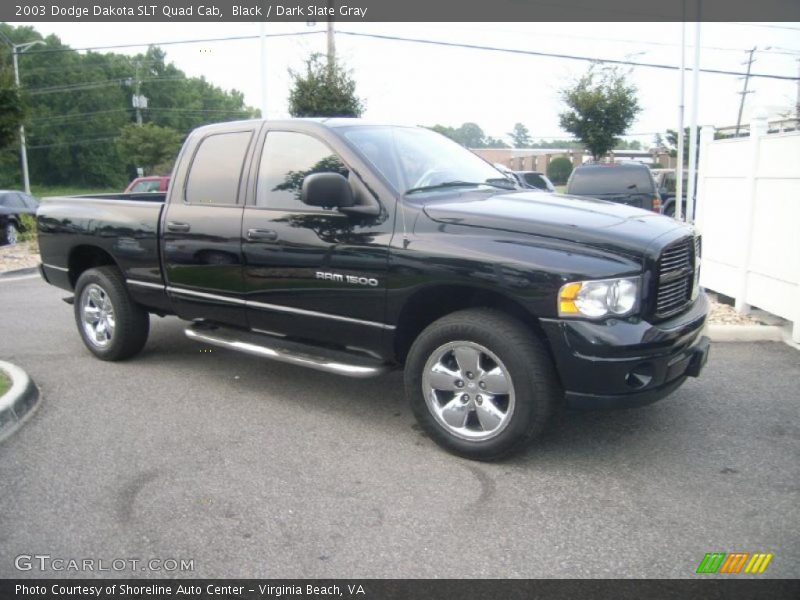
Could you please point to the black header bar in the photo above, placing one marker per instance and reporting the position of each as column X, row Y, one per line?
column 399, row 10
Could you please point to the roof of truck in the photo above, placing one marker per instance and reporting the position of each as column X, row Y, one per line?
column 329, row 122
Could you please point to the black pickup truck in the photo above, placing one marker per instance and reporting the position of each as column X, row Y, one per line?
column 355, row 248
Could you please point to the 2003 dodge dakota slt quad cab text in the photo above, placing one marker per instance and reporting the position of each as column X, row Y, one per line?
column 354, row 248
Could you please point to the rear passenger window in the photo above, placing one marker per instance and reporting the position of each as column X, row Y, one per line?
column 287, row 158
column 217, row 168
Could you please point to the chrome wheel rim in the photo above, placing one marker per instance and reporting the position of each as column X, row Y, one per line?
column 97, row 315
column 11, row 234
column 468, row 390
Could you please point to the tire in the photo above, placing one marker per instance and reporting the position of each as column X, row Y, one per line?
column 10, row 236
column 113, row 327
column 510, row 358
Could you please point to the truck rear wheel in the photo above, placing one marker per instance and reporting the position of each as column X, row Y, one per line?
column 481, row 384
column 111, row 324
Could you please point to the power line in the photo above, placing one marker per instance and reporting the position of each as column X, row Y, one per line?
column 174, row 42
column 556, row 55
column 74, row 143
column 764, row 25
column 87, row 85
column 78, row 115
column 770, row 49
column 199, row 110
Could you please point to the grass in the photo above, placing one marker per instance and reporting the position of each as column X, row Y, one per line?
column 42, row 191
column 5, row 383
column 561, row 189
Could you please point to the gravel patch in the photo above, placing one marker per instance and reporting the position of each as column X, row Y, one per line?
column 19, row 256
column 725, row 314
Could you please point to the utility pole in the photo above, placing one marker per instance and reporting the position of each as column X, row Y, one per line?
column 16, row 50
column 139, row 101
column 797, row 104
column 745, row 91
column 331, row 37
column 681, row 110
column 263, row 40
column 690, row 192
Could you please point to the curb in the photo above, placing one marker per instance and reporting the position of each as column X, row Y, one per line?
column 19, row 402
column 744, row 333
column 18, row 272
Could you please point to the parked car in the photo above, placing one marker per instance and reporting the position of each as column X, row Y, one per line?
column 153, row 183
column 12, row 205
column 355, row 248
column 628, row 183
column 666, row 182
column 534, row 180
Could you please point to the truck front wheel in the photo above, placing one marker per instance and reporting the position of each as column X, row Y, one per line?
column 481, row 384
column 111, row 324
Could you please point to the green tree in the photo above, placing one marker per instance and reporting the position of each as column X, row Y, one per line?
column 469, row 135
column 11, row 109
column 148, row 146
column 495, row 143
column 77, row 103
column 559, row 170
column 672, row 143
column 601, row 106
column 323, row 90
column 626, row 145
column 567, row 144
column 520, row 136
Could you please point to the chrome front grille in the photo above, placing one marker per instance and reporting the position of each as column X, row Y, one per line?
column 676, row 269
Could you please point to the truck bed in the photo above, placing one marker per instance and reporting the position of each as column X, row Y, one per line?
column 125, row 226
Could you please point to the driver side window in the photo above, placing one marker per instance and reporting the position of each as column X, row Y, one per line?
column 287, row 159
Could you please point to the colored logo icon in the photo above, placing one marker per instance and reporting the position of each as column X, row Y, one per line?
column 734, row 562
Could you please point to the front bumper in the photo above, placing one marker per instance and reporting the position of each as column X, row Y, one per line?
column 620, row 364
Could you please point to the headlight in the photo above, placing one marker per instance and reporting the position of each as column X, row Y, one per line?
column 595, row 299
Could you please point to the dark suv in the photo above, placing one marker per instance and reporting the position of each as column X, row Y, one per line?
column 623, row 183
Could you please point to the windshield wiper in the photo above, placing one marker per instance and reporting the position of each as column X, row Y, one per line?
column 498, row 183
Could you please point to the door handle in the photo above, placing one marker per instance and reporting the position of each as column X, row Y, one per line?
column 262, row 235
column 178, row 227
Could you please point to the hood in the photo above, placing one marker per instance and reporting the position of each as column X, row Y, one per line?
column 578, row 219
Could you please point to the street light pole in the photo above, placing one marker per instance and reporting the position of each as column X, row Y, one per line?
column 16, row 50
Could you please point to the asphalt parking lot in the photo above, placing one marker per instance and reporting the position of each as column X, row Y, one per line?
column 257, row 469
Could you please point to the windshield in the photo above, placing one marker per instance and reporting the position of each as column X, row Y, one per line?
column 419, row 159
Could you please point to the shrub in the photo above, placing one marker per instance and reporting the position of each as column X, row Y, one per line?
column 559, row 170
column 28, row 228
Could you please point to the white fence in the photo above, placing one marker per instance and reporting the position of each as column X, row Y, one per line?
column 748, row 210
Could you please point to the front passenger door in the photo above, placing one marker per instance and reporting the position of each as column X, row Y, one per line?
column 311, row 272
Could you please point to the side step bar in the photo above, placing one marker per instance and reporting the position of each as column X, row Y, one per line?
column 323, row 359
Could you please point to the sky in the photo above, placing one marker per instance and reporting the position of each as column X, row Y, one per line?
column 421, row 84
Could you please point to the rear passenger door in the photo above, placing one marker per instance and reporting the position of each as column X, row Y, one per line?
column 201, row 242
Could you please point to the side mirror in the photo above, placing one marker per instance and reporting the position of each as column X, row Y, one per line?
column 328, row 190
